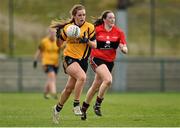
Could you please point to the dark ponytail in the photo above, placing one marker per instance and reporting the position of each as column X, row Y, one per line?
column 98, row 22
column 103, row 16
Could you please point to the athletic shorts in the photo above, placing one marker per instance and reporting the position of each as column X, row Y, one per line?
column 69, row 60
column 50, row 68
column 95, row 62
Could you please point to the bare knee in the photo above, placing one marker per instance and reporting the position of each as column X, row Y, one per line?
column 108, row 81
column 82, row 78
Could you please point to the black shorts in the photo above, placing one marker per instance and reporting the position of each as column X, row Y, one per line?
column 50, row 68
column 95, row 62
column 69, row 60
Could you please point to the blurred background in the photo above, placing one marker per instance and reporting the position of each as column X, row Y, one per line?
column 152, row 30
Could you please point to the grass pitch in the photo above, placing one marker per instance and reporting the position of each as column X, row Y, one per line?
column 119, row 110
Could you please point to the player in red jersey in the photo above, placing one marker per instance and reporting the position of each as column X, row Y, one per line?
column 109, row 37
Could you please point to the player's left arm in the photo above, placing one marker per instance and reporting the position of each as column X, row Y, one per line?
column 123, row 44
column 92, row 38
column 88, row 39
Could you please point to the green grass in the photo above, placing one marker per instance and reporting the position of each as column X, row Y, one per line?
column 123, row 109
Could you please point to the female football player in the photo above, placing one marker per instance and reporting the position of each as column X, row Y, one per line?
column 48, row 52
column 109, row 37
column 76, row 55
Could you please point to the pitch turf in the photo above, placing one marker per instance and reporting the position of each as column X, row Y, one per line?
column 123, row 109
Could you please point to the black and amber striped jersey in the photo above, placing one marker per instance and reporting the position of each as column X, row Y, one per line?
column 74, row 48
column 50, row 52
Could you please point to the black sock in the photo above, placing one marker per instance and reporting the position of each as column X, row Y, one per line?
column 59, row 107
column 76, row 103
column 85, row 106
column 98, row 101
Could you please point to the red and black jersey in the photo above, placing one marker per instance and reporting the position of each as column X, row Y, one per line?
column 109, row 41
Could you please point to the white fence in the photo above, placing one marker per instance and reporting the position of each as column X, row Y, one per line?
column 129, row 74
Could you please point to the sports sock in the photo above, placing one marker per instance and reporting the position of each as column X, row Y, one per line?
column 85, row 106
column 76, row 103
column 98, row 101
column 59, row 107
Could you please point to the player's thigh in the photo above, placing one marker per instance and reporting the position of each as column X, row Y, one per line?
column 51, row 74
column 76, row 71
column 103, row 72
column 50, row 71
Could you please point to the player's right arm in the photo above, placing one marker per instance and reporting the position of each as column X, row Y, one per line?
column 59, row 40
column 36, row 57
column 38, row 54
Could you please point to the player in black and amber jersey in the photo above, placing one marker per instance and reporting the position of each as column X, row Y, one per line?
column 109, row 37
column 49, row 54
column 76, row 55
column 74, row 48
